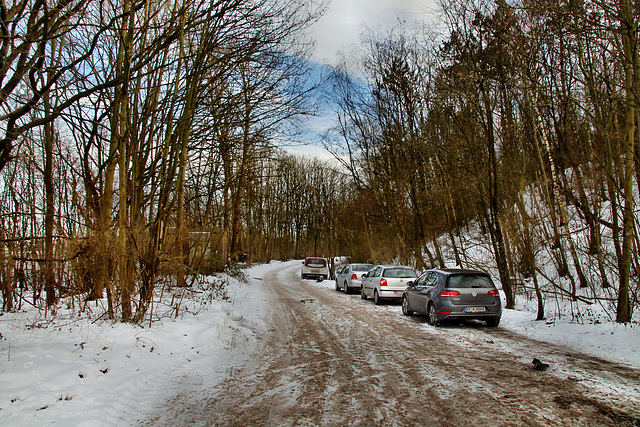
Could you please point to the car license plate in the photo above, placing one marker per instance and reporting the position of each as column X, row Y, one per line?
column 474, row 309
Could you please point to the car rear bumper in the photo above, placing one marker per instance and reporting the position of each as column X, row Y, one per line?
column 315, row 276
column 390, row 293
column 446, row 313
column 354, row 284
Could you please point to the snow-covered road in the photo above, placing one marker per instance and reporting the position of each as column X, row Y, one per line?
column 321, row 357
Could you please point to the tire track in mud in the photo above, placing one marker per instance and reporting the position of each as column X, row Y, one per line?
column 333, row 359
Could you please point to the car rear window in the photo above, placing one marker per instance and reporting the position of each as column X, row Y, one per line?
column 470, row 281
column 362, row 267
column 400, row 273
column 316, row 262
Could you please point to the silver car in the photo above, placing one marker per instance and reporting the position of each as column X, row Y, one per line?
column 314, row 268
column 386, row 281
column 350, row 276
column 442, row 294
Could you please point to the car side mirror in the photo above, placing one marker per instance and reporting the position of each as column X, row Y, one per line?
column 410, row 283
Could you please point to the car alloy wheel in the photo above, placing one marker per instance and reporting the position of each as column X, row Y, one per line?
column 376, row 297
column 337, row 287
column 432, row 315
column 362, row 294
column 346, row 288
column 405, row 306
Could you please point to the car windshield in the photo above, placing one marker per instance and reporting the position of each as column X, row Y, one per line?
column 399, row 272
column 316, row 262
column 362, row 267
column 470, row 281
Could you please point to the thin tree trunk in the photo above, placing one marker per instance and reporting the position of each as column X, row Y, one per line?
column 7, row 276
column 631, row 66
column 237, row 199
column 103, row 277
column 122, row 110
column 182, row 244
column 494, row 205
column 529, row 253
column 439, row 258
column 49, row 221
column 181, row 235
column 605, row 128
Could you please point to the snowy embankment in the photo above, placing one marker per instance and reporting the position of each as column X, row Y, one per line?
column 81, row 370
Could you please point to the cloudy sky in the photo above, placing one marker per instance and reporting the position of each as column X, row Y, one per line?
column 344, row 21
column 339, row 29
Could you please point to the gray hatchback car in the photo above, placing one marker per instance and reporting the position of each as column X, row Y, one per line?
column 443, row 294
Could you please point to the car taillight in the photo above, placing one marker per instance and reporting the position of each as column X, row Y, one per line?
column 447, row 293
column 354, row 276
column 383, row 282
column 494, row 293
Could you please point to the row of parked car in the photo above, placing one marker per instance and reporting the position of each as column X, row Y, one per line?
column 438, row 294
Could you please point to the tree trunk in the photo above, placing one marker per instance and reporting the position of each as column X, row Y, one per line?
column 493, row 206
column 237, row 248
column 49, row 220
column 528, row 254
column 632, row 68
column 122, row 112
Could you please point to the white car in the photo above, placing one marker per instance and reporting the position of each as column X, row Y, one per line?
column 350, row 276
column 314, row 268
column 386, row 281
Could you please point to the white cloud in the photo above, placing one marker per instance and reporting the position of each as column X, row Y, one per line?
column 341, row 26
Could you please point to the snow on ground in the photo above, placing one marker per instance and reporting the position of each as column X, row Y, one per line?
column 80, row 370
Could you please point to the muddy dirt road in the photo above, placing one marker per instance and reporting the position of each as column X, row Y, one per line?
column 333, row 359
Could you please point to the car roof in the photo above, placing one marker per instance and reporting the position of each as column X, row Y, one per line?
column 450, row 271
column 393, row 266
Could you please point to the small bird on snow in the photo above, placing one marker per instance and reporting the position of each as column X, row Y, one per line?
column 539, row 366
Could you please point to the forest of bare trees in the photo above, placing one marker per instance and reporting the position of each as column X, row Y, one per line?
column 520, row 120
column 140, row 145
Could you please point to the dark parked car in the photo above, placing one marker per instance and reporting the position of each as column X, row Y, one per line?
column 443, row 294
